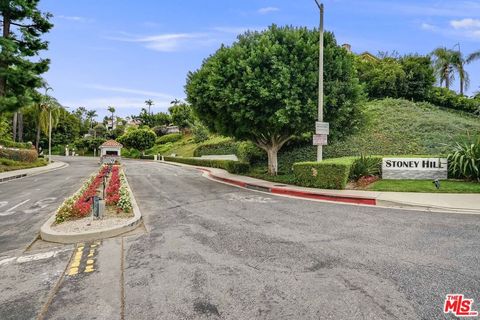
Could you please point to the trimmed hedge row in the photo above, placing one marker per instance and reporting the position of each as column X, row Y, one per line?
column 229, row 165
column 23, row 155
column 12, row 144
column 328, row 174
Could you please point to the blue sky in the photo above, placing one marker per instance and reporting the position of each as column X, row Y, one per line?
column 123, row 52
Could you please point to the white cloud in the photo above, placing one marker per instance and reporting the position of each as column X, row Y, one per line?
column 267, row 10
column 464, row 28
column 467, row 23
column 144, row 93
column 168, row 42
column 74, row 18
column 427, row 26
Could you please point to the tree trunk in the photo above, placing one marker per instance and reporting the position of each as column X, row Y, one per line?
column 272, row 145
column 20, row 126
column 14, row 126
column 272, row 153
column 447, row 83
column 461, row 86
column 6, row 34
column 37, row 139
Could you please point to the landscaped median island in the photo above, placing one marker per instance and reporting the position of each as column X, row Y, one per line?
column 75, row 219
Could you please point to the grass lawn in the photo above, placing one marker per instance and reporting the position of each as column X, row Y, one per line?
column 10, row 165
column 446, row 186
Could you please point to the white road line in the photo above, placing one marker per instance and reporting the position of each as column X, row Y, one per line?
column 18, row 205
column 33, row 257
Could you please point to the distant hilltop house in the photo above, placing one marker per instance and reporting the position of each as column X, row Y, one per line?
column 365, row 55
column 172, row 129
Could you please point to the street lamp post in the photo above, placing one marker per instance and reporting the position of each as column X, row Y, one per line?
column 320, row 79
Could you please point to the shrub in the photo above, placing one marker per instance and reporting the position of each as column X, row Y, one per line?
column 446, row 98
column 464, row 162
column 22, row 155
column 229, row 165
column 172, row 137
column 147, row 157
column 365, row 166
column 12, row 144
column 141, row 139
column 247, row 151
column 328, row 174
column 131, row 153
column 217, row 148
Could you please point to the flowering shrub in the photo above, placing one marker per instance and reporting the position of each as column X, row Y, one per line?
column 80, row 204
column 117, row 193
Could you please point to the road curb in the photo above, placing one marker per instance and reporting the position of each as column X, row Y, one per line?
column 48, row 234
column 293, row 193
column 23, row 175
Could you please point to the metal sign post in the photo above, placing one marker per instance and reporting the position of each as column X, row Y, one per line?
column 320, row 80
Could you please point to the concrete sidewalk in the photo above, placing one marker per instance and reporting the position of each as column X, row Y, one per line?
column 439, row 202
column 16, row 174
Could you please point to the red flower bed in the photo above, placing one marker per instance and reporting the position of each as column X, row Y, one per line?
column 83, row 205
column 112, row 192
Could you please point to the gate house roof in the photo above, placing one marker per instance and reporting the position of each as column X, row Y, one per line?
column 111, row 144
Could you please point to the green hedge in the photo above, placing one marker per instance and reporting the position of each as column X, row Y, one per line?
column 217, row 148
column 172, row 137
column 328, row 174
column 147, row 157
column 22, row 155
column 19, row 145
column 446, row 98
column 229, row 165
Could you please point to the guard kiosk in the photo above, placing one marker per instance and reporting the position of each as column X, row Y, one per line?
column 110, row 151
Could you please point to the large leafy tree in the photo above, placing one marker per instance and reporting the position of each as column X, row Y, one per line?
column 152, row 120
column 263, row 88
column 22, row 25
column 181, row 114
column 140, row 139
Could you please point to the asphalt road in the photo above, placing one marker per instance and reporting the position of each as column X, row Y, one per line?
column 213, row 251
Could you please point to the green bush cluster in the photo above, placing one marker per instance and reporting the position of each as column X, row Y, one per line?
column 22, row 155
column 446, row 98
column 249, row 152
column 365, row 166
column 9, row 165
column 147, row 157
column 12, row 144
column 172, row 137
column 328, row 174
column 131, row 153
column 217, row 148
column 229, row 165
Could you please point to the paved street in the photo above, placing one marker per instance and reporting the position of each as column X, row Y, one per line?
column 213, row 251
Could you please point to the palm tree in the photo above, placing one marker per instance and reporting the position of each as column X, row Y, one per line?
column 90, row 115
column 149, row 103
column 41, row 112
column 443, row 63
column 459, row 63
column 112, row 111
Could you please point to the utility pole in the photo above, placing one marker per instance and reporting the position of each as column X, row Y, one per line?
column 320, row 137
column 49, row 126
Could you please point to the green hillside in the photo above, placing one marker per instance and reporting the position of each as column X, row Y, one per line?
column 394, row 126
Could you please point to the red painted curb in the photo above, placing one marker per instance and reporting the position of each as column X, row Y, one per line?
column 310, row 195
column 296, row 193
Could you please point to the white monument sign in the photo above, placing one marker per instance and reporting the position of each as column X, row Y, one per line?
column 414, row 168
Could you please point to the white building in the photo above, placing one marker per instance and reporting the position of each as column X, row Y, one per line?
column 110, row 150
